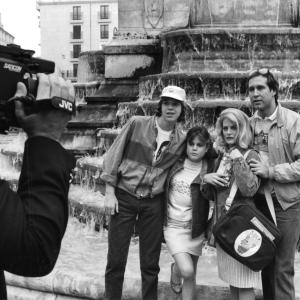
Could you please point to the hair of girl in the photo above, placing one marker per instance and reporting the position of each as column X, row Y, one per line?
column 244, row 131
column 204, row 138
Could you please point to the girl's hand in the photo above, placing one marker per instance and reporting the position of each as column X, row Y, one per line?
column 216, row 179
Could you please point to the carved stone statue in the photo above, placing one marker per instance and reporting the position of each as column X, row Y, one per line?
column 153, row 13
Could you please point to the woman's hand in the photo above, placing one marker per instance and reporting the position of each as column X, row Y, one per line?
column 216, row 179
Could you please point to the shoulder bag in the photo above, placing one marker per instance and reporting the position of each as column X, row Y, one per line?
column 247, row 234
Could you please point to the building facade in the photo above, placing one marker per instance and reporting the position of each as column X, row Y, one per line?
column 69, row 27
column 5, row 37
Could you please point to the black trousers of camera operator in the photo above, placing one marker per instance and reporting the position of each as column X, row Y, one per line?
column 3, row 294
column 33, row 220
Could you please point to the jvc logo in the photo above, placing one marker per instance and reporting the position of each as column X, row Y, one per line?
column 13, row 68
column 66, row 105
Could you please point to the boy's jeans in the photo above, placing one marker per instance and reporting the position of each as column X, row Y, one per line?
column 150, row 220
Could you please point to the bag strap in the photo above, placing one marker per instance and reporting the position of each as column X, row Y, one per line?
column 234, row 188
column 270, row 203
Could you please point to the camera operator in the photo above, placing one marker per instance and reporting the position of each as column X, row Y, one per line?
column 33, row 219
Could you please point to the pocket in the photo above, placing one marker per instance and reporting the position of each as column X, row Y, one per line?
column 290, row 192
column 286, row 148
column 284, row 136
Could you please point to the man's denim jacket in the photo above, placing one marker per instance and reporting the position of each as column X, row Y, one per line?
column 284, row 156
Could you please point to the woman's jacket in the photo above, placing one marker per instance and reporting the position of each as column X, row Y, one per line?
column 247, row 182
column 199, row 194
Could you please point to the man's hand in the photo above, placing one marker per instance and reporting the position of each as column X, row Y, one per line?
column 259, row 168
column 215, row 179
column 111, row 204
column 46, row 123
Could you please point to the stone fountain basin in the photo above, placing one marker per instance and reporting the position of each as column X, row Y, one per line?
column 230, row 48
column 201, row 112
column 87, row 172
column 210, row 85
column 93, row 116
column 87, row 206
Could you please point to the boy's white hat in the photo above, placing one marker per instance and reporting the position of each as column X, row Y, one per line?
column 175, row 92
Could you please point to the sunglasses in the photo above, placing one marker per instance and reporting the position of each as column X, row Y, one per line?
column 262, row 71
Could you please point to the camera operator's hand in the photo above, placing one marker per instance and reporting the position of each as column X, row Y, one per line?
column 50, row 123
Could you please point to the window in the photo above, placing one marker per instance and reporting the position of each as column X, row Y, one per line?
column 76, row 51
column 76, row 13
column 76, row 32
column 104, row 12
column 75, row 69
column 104, row 31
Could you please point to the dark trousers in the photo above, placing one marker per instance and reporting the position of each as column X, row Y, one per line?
column 150, row 221
column 3, row 295
column 278, row 277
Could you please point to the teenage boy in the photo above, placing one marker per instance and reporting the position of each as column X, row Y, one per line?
column 135, row 170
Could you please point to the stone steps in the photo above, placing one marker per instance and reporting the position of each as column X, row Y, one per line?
column 88, row 207
column 88, row 171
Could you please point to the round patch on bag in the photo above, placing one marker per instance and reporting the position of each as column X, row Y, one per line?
column 248, row 243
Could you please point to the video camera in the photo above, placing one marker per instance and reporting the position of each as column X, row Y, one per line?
column 17, row 64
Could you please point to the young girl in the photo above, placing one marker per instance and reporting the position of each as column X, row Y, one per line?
column 234, row 135
column 187, row 209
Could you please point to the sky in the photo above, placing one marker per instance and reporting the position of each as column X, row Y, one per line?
column 20, row 18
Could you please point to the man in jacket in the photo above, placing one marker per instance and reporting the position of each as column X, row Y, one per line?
column 135, row 170
column 277, row 138
column 34, row 219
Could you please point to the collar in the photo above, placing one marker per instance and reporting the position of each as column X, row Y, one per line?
column 272, row 117
column 180, row 164
column 174, row 131
column 162, row 130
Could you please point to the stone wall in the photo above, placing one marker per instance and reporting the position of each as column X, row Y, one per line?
column 240, row 13
column 152, row 16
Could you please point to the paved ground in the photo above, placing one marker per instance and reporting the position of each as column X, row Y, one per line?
column 80, row 273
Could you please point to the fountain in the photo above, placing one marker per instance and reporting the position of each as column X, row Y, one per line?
column 204, row 46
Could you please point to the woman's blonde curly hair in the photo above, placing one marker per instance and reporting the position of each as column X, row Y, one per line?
column 244, row 131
